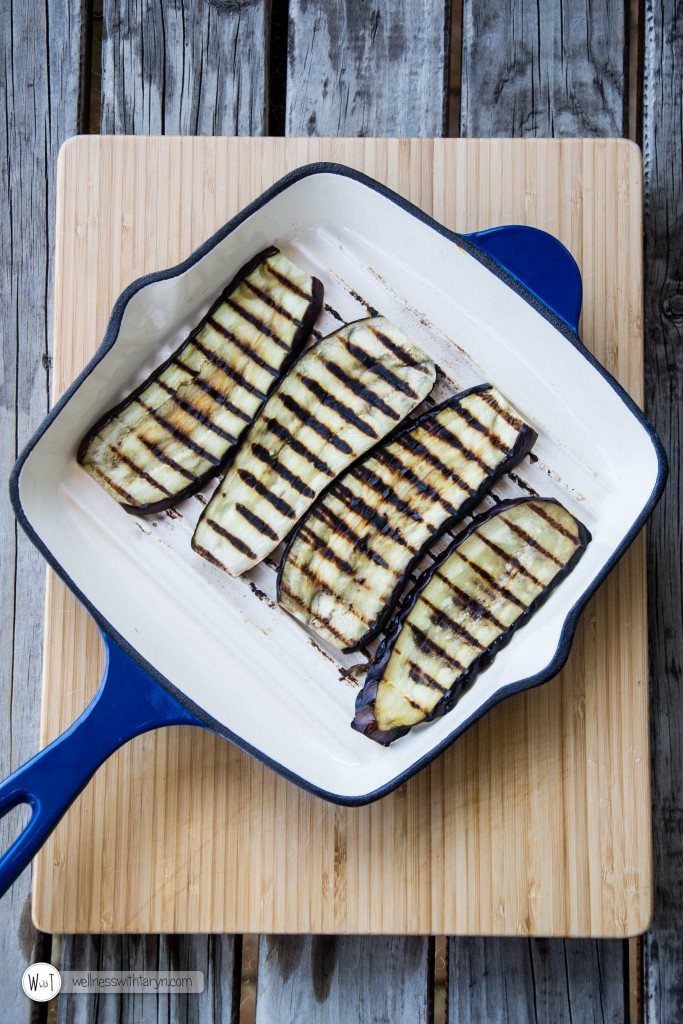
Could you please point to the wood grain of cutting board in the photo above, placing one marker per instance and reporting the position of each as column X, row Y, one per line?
column 537, row 820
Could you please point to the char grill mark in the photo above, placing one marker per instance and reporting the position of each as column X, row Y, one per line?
column 381, row 371
column 243, row 346
column 225, row 368
column 161, row 455
column 197, row 414
column 269, row 301
column 307, row 419
column 260, row 326
column 283, row 434
column 338, row 406
column 136, row 469
column 178, row 434
column 362, row 391
column 255, row 484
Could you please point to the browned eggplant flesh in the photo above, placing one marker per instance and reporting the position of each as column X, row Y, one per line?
column 347, row 562
column 185, row 422
column 343, row 395
column 464, row 609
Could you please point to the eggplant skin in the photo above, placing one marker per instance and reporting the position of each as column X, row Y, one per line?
column 185, row 422
column 346, row 563
column 345, row 393
column 460, row 614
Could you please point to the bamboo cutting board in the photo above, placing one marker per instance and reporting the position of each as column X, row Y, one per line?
column 537, row 820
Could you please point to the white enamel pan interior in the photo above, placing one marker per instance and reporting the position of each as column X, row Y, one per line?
column 238, row 659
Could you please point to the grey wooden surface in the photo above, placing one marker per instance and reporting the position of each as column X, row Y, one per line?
column 217, row 956
column 505, row 981
column 343, row 980
column 177, row 66
column 663, row 181
column 356, row 68
column 42, row 50
column 544, row 69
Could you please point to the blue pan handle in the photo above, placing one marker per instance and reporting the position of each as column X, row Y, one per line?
column 540, row 262
column 128, row 702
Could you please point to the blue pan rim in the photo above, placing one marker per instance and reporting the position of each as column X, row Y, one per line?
column 571, row 336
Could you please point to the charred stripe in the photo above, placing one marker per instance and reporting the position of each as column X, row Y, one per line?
column 443, row 621
column 269, row 301
column 493, row 583
column 398, row 350
column 371, row 515
column 179, row 434
column 259, row 524
column 243, row 347
column 538, row 509
column 221, row 400
column 440, row 432
column 521, row 532
column 197, row 414
column 319, row 544
column 510, row 559
column 381, row 371
column 293, row 287
column 354, row 385
column 328, row 626
column 264, row 492
column 228, row 370
column 431, row 647
column 231, row 539
column 475, row 608
column 277, row 428
column 137, row 470
column 393, row 462
column 418, row 675
column 369, row 479
column 114, row 486
column 410, row 444
column 309, row 420
column 264, row 456
column 159, row 454
column 258, row 324
column 487, row 397
column 343, row 410
column 323, row 585
column 325, row 515
column 478, row 425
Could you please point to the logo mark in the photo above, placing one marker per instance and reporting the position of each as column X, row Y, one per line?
column 41, row 982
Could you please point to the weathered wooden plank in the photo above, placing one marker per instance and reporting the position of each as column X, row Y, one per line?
column 42, row 51
column 544, row 69
column 343, row 979
column 505, row 980
column 217, row 956
column 663, row 183
column 368, row 69
column 177, row 67
column 541, row 70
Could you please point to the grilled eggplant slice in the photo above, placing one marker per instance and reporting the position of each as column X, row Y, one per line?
column 464, row 609
column 343, row 395
column 347, row 561
column 184, row 423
